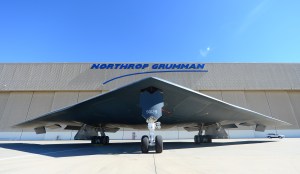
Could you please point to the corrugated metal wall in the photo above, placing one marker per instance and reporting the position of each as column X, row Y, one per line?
column 228, row 76
column 30, row 90
column 283, row 105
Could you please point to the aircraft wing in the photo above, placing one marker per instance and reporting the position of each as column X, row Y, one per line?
column 182, row 106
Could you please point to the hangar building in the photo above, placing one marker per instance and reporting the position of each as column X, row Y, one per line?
column 33, row 89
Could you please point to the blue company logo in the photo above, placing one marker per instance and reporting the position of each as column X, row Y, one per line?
column 154, row 68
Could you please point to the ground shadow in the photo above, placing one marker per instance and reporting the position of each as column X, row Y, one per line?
column 84, row 149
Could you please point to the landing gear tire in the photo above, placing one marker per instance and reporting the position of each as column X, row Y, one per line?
column 209, row 139
column 93, row 139
column 106, row 139
column 196, row 139
column 103, row 140
column 145, row 144
column 100, row 140
column 202, row 139
column 158, row 144
column 205, row 139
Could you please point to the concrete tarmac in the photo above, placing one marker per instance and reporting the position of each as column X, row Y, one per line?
column 253, row 156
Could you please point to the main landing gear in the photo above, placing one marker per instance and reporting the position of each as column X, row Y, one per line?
column 156, row 141
column 103, row 139
column 200, row 138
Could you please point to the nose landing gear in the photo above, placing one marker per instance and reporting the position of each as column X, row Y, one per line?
column 152, row 141
column 151, row 103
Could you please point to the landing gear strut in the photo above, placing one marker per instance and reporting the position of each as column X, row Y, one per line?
column 151, row 102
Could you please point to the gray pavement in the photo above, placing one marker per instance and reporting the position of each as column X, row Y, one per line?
column 179, row 156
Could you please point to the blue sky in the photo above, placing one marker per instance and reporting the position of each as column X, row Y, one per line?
column 150, row 31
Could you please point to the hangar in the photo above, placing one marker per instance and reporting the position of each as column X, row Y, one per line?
column 30, row 90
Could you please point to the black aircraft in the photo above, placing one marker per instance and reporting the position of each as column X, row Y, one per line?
column 154, row 102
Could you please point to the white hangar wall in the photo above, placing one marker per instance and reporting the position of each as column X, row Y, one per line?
column 80, row 77
column 30, row 90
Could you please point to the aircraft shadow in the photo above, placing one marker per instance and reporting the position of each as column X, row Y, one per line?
column 85, row 149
